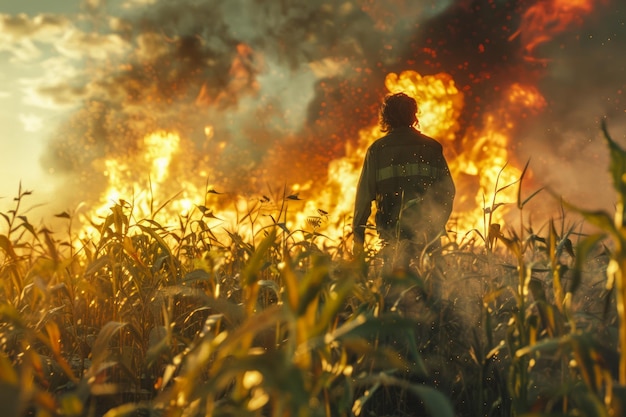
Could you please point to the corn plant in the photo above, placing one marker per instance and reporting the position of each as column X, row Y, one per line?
column 144, row 318
column 610, row 227
column 544, row 332
column 148, row 318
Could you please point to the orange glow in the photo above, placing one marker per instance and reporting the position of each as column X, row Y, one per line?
column 484, row 165
column 477, row 161
column 526, row 96
column 483, row 160
column 440, row 102
column 440, row 105
column 147, row 184
column 140, row 178
column 547, row 18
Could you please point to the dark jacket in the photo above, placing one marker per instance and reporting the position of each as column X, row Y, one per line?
column 407, row 175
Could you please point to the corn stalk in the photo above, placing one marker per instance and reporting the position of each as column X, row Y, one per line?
column 615, row 228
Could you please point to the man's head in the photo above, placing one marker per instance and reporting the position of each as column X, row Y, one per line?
column 398, row 110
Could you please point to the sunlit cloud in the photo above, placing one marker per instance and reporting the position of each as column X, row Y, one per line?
column 61, row 94
column 129, row 4
column 40, row 27
column 61, row 84
column 22, row 35
column 31, row 122
column 151, row 45
column 78, row 44
column 20, row 51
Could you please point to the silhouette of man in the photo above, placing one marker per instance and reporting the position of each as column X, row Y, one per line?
column 407, row 175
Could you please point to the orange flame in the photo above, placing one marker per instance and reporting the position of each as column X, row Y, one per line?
column 547, row 18
column 485, row 155
column 478, row 169
column 476, row 161
column 440, row 105
column 140, row 177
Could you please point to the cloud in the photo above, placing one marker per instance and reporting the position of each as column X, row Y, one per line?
column 63, row 94
column 78, row 44
column 57, row 86
column 20, row 51
column 40, row 27
column 20, row 33
column 28, row 38
column 61, row 50
column 129, row 4
column 31, row 122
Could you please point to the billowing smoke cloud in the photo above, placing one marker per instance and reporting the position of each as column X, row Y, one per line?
column 284, row 85
column 583, row 80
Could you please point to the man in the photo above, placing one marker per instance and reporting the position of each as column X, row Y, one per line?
column 407, row 175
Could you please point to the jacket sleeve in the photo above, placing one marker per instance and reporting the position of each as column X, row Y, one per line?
column 365, row 194
column 446, row 190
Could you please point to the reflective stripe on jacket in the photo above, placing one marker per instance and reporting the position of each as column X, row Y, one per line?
column 407, row 175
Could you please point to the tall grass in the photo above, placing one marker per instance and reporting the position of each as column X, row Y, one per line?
column 148, row 319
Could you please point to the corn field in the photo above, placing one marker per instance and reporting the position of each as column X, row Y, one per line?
column 146, row 319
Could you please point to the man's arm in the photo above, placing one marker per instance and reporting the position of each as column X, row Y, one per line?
column 365, row 194
column 445, row 190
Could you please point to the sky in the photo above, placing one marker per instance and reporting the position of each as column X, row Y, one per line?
column 285, row 86
column 27, row 60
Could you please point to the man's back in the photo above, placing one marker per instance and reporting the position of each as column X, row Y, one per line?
column 412, row 185
column 407, row 175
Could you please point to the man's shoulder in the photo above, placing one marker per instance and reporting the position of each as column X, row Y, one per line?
column 380, row 142
column 405, row 137
column 427, row 139
column 409, row 136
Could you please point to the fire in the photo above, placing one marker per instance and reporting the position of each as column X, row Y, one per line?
column 480, row 168
column 137, row 180
column 477, row 161
column 485, row 163
column 147, row 184
column 149, row 170
column 160, row 148
column 547, row 18
column 440, row 104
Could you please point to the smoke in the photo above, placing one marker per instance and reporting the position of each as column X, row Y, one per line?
column 285, row 85
column 583, row 82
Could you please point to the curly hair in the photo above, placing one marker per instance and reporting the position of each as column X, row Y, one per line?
column 398, row 110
